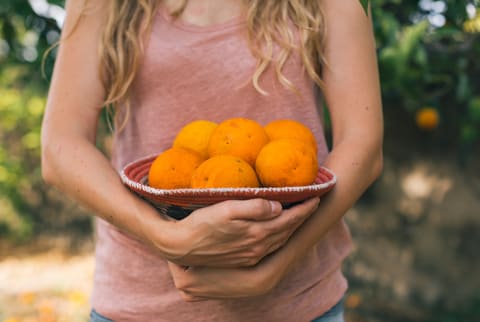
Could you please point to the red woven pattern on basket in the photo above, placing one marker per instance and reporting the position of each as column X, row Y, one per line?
column 134, row 177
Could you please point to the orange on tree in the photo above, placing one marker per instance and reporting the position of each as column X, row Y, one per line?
column 239, row 137
column 173, row 168
column 290, row 129
column 287, row 162
column 224, row 171
column 427, row 118
column 195, row 136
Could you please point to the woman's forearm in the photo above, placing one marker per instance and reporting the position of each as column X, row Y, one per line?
column 357, row 166
column 352, row 94
column 76, row 167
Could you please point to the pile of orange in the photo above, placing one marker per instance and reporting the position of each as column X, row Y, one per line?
column 238, row 152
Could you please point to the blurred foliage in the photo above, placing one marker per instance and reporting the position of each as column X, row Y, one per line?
column 26, row 206
column 24, row 35
column 428, row 52
column 470, row 311
column 428, row 56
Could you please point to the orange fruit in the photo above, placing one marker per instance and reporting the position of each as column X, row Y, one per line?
column 173, row 168
column 195, row 136
column 290, row 129
column 224, row 171
column 427, row 118
column 239, row 137
column 287, row 162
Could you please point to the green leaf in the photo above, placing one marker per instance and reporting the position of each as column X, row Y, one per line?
column 474, row 110
column 365, row 5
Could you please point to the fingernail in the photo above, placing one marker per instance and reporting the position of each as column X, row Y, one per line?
column 276, row 207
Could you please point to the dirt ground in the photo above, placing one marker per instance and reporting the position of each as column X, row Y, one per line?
column 46, row 286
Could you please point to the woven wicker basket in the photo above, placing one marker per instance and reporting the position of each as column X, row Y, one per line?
column 179, row 203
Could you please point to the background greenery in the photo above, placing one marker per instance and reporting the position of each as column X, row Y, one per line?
column 428, row 56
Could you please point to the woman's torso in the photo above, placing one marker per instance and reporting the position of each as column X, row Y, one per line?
column 190, row 73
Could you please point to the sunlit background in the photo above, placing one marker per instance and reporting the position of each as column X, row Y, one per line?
column 416, row 230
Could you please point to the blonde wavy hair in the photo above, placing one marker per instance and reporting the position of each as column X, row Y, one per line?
column 268, row 23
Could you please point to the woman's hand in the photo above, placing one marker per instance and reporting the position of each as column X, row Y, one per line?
column 236, row 233
column 201, row 283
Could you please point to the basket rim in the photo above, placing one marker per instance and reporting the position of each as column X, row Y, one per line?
column 220, row 191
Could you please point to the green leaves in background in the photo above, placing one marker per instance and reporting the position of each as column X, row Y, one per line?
column 21, row 187
column 428, row 53
column 24, row 35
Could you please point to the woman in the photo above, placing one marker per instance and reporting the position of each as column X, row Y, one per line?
column 162, row 64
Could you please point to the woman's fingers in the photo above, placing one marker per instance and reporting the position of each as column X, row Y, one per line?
column 187, row 297
column 297, row 216
column 254, row 209
column 293, row 217
column 200, row 283
column 276, row 235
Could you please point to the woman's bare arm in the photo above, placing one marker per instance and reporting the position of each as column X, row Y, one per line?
column 352, row 93
column 70, row 160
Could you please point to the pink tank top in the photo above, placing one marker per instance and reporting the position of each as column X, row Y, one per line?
column 191, row 72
